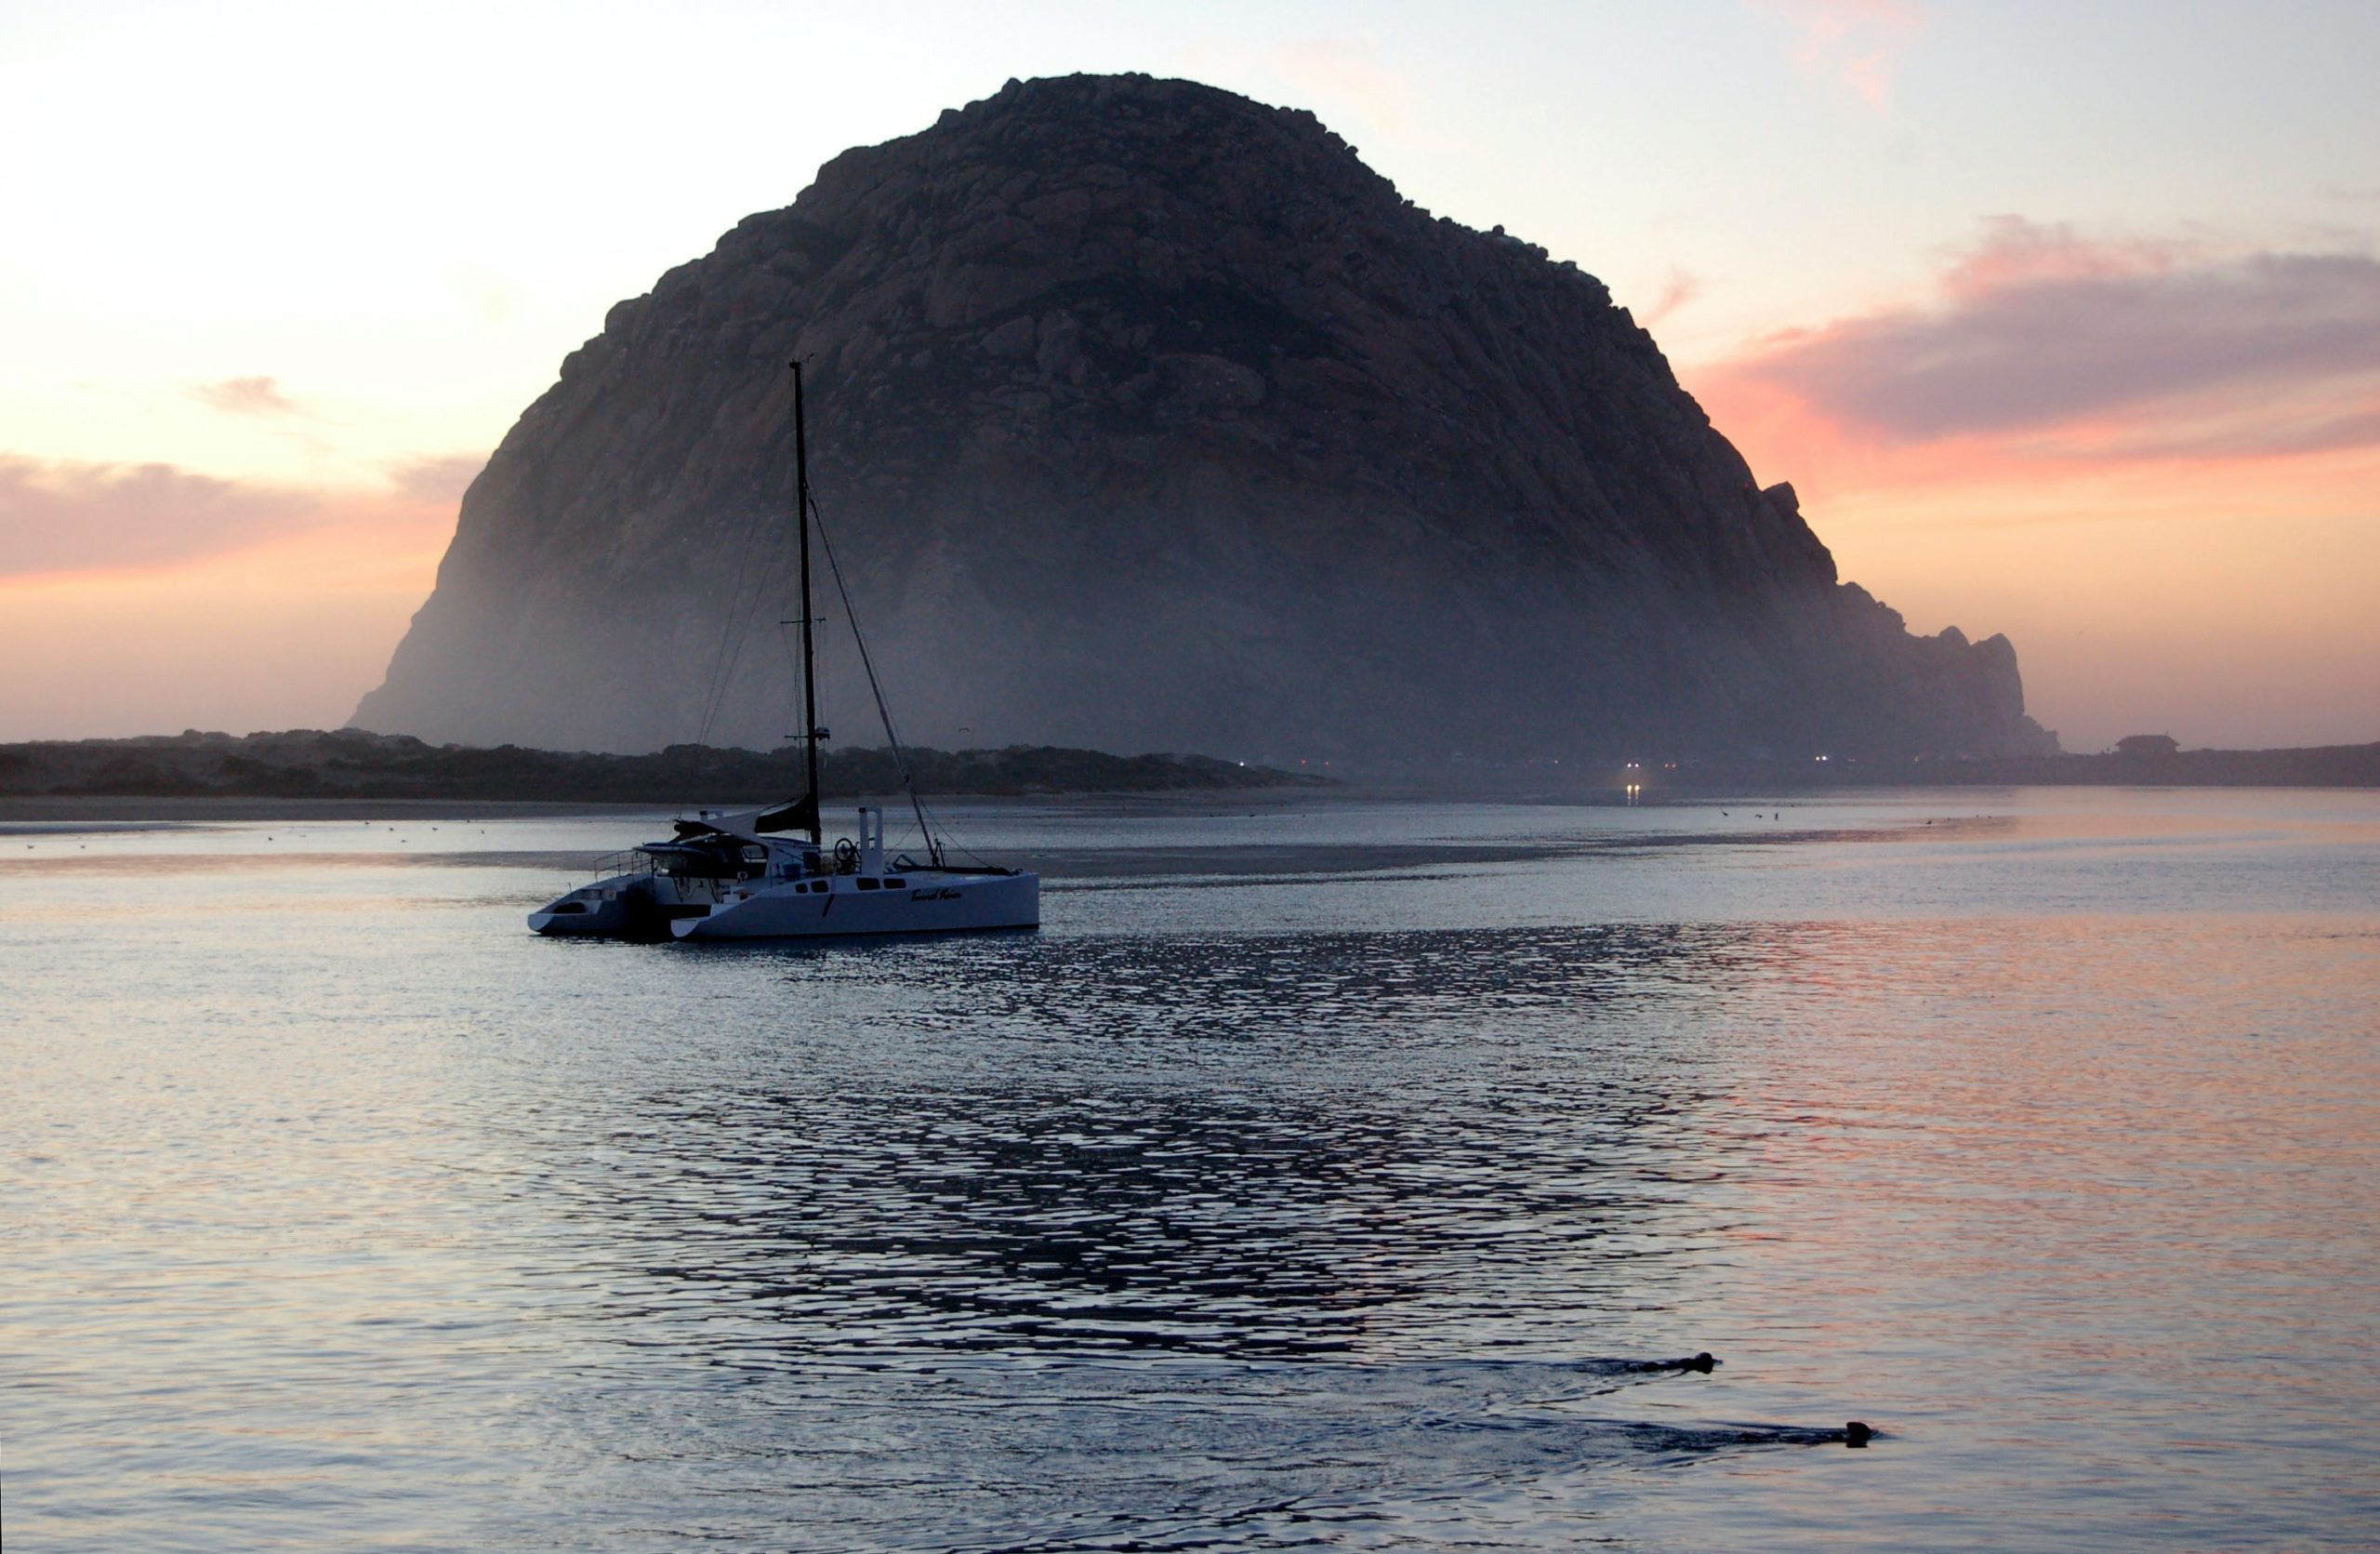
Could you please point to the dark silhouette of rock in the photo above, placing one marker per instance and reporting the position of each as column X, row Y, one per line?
column 1146, row 417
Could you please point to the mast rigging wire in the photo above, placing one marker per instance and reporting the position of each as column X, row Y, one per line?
column 737, row 626
column 867, row 662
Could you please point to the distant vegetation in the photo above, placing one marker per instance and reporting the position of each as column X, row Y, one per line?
column 2150, row 766
column 2314, row 766
column 350, row 763
column 309, row 764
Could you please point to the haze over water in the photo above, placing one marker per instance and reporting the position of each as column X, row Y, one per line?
column 1320, row 1174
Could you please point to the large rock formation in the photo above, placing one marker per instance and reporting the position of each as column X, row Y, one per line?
column 1144, row 416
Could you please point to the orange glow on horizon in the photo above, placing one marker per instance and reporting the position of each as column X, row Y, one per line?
column 2227, row 598
column 287, row 632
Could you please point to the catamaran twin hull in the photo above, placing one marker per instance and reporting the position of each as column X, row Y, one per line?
column 843, row 904
column 833, row 906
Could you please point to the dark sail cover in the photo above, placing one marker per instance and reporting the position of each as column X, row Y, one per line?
column 800, row 815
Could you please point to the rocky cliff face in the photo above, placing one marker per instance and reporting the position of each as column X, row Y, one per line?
column 1144, row 416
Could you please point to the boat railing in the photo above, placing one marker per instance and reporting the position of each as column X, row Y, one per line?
column 684, row 887
column 634, row 860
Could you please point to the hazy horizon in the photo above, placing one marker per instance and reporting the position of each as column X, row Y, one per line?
column 2063, row 326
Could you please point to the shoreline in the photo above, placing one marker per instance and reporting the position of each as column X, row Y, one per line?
column 58, row 814
column 29, row 812
column 33, row 813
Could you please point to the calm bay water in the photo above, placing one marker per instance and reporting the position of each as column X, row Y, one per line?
column 1328, row 1174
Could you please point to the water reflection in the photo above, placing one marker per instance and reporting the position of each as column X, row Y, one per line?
column 1302, row 988
column 1405, row 1132
column 348, row 1212
column 1137, row 1239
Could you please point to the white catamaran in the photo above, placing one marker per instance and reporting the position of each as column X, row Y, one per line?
column 768, row 872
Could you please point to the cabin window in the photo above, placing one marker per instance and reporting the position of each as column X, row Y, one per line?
column 895, row 883
column 866, row 883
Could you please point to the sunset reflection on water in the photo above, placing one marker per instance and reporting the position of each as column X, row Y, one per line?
column 1261, row 1196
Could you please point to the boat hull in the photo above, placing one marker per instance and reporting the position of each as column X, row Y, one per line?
column 635, row 907
column 920, row 903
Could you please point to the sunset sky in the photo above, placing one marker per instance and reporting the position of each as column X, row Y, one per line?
column 2064, row 320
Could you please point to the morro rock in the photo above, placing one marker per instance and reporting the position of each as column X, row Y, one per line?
column 1144, row 416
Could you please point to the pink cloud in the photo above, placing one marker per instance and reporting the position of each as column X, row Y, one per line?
column 247, row 396
column 80, row 517
column 1681, row 287
column 442, row 479
column 59, row 518
column 1350, row 70
column 1853, row 44
column 2094, row 347
column 2015, row 252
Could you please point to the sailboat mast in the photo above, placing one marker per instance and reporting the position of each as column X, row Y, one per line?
column 809, row 645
